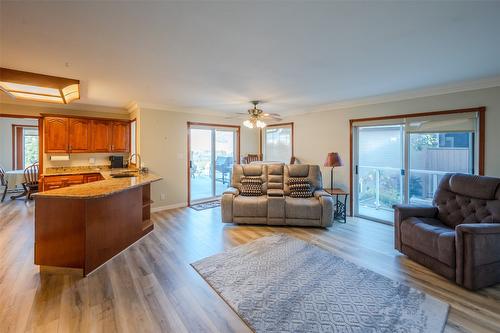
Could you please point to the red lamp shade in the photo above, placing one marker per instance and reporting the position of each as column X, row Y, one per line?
column 333, row 160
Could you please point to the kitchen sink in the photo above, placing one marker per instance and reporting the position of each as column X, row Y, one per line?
column 124, row 174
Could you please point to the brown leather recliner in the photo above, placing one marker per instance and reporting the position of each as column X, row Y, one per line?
column 459, row 236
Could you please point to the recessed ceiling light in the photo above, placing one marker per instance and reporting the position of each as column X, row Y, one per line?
column 38, row 87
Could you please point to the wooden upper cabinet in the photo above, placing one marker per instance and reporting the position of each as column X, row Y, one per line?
column 79, row 135
column 101, row 136
column 56, row 134
column 120, row 136
column 82, row 135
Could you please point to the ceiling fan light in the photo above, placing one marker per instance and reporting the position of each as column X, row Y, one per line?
column 248, row 124
column 260, row 124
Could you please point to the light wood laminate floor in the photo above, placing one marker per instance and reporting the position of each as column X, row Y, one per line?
column 151, row 287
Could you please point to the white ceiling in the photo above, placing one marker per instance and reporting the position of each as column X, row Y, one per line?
column 297, row 56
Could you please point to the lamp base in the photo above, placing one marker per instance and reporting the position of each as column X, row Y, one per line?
column 332, row 182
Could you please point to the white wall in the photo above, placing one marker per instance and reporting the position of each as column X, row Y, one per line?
column 163, row 148
column 316, row 134
column 6, row 138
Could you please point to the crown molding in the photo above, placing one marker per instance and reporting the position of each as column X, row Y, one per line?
column 486, row 83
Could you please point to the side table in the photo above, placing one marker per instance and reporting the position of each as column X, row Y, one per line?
column 340, row 207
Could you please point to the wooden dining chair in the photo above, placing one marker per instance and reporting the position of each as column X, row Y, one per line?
column 252, row 158
column 31, row 180
column 3, row 182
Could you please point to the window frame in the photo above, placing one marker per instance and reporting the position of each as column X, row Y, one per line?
column 261, row 137
column 18, row 145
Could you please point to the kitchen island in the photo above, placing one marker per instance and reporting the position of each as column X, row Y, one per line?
column 83, row 226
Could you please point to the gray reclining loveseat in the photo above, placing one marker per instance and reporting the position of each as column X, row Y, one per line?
column 275, row 206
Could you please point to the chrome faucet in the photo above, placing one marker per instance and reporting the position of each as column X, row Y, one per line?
column 137, row 161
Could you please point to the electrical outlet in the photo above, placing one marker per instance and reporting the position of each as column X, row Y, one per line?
column 91, row 160
column 163, row 196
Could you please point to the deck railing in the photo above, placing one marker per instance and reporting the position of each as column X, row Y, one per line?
column 389, row 191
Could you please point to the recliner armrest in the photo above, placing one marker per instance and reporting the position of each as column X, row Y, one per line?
column 406, row 211
column 402, row 212
column 231, row 190
column 479, row 228
column 321, row 193
column 477, row 254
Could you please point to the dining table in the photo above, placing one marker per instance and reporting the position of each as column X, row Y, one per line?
column 15, row 179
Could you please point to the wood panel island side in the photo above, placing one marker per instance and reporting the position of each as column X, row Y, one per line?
column 83, row 226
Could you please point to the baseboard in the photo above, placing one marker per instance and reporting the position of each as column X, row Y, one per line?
column 167, row 207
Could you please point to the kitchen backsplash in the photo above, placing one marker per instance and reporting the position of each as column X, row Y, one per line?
column 82, row 160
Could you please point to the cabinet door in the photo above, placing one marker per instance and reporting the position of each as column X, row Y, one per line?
column 92, row 177
column 52, row 186
column 72, row 180
column 79, row 135
column 101, row 136
column 121, row 136
column 56, row 134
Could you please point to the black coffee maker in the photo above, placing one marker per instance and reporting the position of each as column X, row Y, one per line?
column 116, row 161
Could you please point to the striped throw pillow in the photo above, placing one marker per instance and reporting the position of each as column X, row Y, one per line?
column 300, row 187
column 251, row 186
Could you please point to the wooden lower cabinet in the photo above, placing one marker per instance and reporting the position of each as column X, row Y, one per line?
column 55, row 182
column 84, row 233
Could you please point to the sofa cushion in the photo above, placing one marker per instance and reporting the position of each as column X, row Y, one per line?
column 250, row 206
column 251, row 186
column 302, row 208
column 431, row 237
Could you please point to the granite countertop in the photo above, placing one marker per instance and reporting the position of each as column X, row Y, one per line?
column 80, row 170
column 99, row 188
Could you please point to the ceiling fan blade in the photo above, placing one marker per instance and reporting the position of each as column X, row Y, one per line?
column 234, row 115
column 271, row 116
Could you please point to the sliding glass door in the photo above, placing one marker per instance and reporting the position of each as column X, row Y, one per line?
column 211, row 158
column 379, row 170
column 404, row 161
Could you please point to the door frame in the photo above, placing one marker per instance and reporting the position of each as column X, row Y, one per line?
column 404, row 160
column 481, row 111
column 190, row 124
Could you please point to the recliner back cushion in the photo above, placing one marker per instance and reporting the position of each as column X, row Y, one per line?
column 249, row 170
column 456, row 208
column 312, row 172
column 251, row 186
column 474, row 186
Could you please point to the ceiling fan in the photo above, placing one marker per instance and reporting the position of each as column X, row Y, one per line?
column 256, row 116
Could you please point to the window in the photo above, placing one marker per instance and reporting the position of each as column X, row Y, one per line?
column 278, row 143
column 30, row 150
column 25, row 143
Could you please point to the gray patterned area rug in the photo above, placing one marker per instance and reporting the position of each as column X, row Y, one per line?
column 283, row 284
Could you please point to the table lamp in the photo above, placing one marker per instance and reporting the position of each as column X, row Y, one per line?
column 333, row 160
